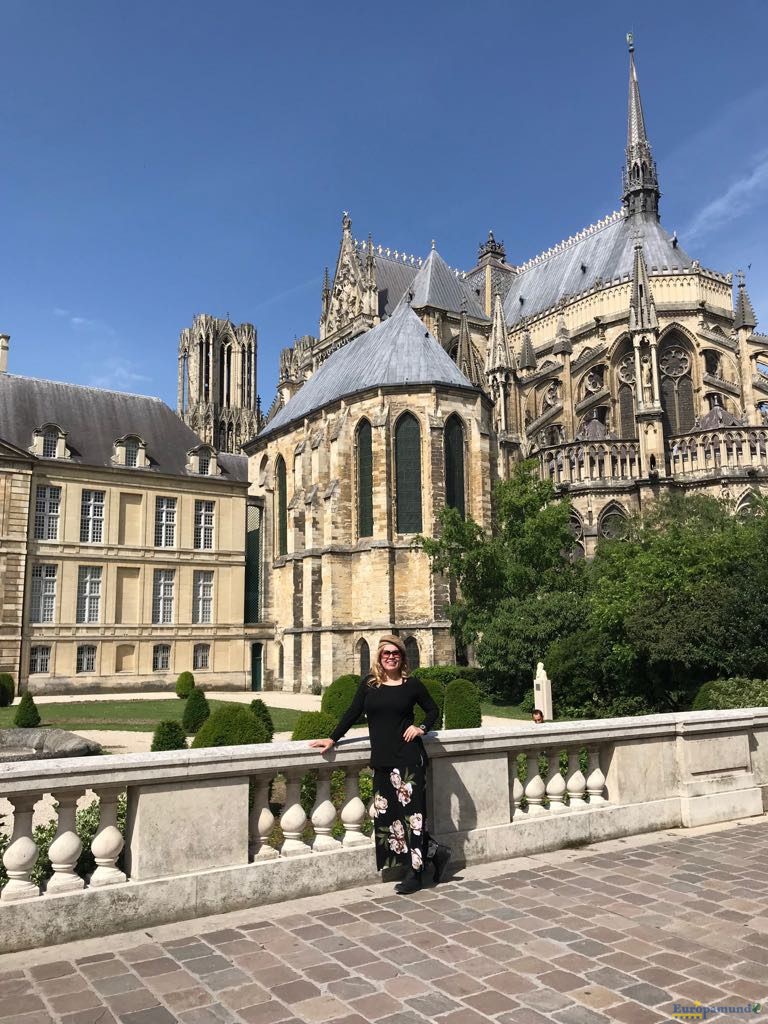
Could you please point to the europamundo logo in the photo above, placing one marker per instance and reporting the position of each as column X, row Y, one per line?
column 697, row 1011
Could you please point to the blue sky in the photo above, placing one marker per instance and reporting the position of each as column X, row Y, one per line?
column 165, row 159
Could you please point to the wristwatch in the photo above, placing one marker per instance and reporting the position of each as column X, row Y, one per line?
column 423, row 728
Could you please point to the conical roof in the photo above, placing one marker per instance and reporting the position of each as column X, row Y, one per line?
column 436, row 285
column 527, row 354
column 563, row 344
column 399, row 350
column 745, row 314
column 467, row 359
column 499, row 356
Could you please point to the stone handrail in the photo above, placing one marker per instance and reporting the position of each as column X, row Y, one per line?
column 580, row 462
column 201, row 836
column 704, row 452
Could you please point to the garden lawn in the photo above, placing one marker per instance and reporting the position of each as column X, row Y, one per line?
column 504, row 711
column 130, row 715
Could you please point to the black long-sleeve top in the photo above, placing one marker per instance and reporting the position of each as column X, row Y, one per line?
column 389, row 710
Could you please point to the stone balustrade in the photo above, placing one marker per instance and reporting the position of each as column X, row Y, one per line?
column 201, row 836
column 584, row 462
column 708, row 452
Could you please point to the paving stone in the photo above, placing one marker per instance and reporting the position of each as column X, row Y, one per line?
column 176, row 981
column 52, row 986
column 320, row 1008
column 189, row 951
column 73, row 1001
column 15, row 1005
column 103, row 969
column 464, row 1016
column 223, row 935
column 523, row 1016
column 155, row 1015
column 326, row 972
column 144, row 951
column 232, row 977
column 545, row 999
column 117, row 984
column 189, row 998
column 36, row 1017
column 98, row 1015
column 213, row 1014
column 95, row 958
column 14, row 986
column 375, row 1007
column 634, row 1013
column 207, row 964
column 161, row 965
column 580, row 1015
column 490, row 1002
column 352, row 988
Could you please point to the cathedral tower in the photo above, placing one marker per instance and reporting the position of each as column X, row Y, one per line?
column 641, row 182
column 217, row 381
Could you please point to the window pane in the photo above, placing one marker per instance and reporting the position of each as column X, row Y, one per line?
column 252, row 563
column 165, row 522
column 131, row 452
column 43, row 593
column 50, row 444
column 162, row 596
column 92, row 517
column 408, row 474
column 200, row 656
column 453, row 441
column 88, row 593
column 364, row 480
column 281, row 500
column 204, row 511
column 47, row 501
column 202, row 601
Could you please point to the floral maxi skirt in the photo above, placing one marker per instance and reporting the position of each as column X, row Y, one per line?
column 400, row 817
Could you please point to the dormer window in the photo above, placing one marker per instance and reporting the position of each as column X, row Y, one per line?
column 202, row 461
column 131, row 451
column 49, row 442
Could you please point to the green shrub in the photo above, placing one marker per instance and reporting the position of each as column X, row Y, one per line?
column 196, row 711
column 7, row 691
column 169, row 735
column 338, row 696
column 737, row 692
column 185, row 684
column 462, row 705
column 314, row 725
column 261, row 711
column 436, row 691
column 230, row 725
column 27, row 716
column 442, row 674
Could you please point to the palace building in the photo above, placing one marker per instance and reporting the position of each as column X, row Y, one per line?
column 135, row 543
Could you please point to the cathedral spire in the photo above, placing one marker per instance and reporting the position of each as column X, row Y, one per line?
column 745, row 314
column 641, row 183
column 527, row 354
column 642, row 308
column 499, row 356
column 466, row 354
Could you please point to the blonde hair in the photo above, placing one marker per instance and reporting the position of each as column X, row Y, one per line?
column 377, row 674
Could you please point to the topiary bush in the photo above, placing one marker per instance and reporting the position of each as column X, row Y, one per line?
column 442, row 674
column 338, row 696
column 7, row 691
column 462, row 705
column 230, row 725
column 27, row 716
column 437, row 692
column 169, row 735
column 314, row 725
column 196, row 711
column 185, row 684
column 261, row 711
column 737, row 692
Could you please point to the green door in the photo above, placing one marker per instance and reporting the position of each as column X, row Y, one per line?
column 256, row 666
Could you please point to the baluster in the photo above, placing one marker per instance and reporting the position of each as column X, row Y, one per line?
column 576, row 784
column 108, row 842
column 21, row 854
column 293, row 818
column 353, row 812
column 324, row 814
column 516, row 790
column 534, row 784
column 555, row 786
column 66, row 847
column 261, row 821
column 595, row 779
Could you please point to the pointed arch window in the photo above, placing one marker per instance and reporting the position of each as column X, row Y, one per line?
column 408, row 474
column 627, row 411
column 453, row 446
column 412, row 653
column 676, row 387
column 281, row 508
column 364, row 447
column 364, row 657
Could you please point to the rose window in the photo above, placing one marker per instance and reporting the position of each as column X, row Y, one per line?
column 674, row 363
column 627, row 370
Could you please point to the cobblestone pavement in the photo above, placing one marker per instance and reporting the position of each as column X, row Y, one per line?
column 615, row 932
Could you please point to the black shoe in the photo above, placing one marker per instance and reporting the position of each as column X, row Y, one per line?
column 411, row 883
column 440, row 862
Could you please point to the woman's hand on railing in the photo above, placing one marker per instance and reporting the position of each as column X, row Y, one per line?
column 322, row 745
column 412, row 733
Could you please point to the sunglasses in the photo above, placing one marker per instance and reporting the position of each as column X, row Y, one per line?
column 391, row 654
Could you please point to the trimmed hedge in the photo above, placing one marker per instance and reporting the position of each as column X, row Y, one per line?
column 185, row 684
column 338, row 696
column 27, row 716
column 230, row 725
column 196, row 711
column 7, row 690
column 169, row 735
column 462, row 705
column 314, row 725
column 437, row 692
column 261, row 711
column 442, row 674
column 737, row 692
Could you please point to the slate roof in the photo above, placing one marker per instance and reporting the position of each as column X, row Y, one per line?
column 392, row 280
column 606, row 251
column 438, row 286
column 93, row 419
column 399, row 350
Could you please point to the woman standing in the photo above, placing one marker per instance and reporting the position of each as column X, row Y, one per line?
column 387, row 697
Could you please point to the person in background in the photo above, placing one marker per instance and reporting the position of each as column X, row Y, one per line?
column 538, row 715
column 387, row 697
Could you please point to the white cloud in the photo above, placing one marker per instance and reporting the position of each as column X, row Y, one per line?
column 84, row 323
column 118, row 374
column 743, row 195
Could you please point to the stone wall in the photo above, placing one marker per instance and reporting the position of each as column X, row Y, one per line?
column 15, row 478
